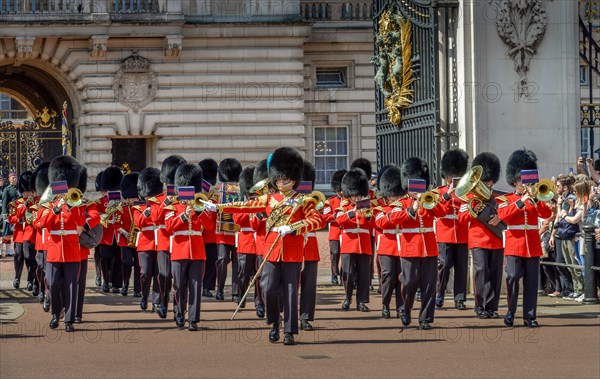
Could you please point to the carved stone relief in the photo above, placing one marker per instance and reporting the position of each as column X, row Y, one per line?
column 135, row 84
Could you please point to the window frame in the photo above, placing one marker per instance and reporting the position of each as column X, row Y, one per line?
column 316, row 155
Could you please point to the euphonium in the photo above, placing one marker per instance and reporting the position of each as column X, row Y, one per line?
column 471, row 183
column 74, row 197
column 428, row 200
column 544, row 190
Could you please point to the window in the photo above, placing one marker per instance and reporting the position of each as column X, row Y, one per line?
column 331, row 152
column 332, row 77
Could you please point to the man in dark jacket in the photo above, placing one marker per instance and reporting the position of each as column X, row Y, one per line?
column 9, row 194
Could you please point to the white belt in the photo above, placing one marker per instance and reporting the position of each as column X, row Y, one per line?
column 149, row 228
column 451, row 217
column 311, row 234
column 161, row 227
column 62, row 232
column 356, row 230
column 391, row 231
column 522, row 227
column 417, row 230
column 246, row 230
column 187, row 233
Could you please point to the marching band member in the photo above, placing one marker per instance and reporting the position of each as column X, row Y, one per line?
column 185, row 223
column 523, row 248
column 16, row 216
column 451, row 235
column 127, row 234
column 486, row 246
column 334, row 229
column 41, row 183
column 97, row 260
column 209, row 176
column 355, row 246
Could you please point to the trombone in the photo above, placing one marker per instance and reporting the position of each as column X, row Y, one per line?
column 428, row 200
column 544, row 190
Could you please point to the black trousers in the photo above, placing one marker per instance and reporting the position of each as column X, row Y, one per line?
column 110, row 259
column 487, row 277
column 308, row 290
column 259, row 298
column 280, row 283
column 390, row 279
column 453, row 255
column 30, row 262
column 83, row 269
column 40, row 273
column 149, row 273
column 419, row 273
column 334, row 252
column 529, row 270
column 210, row 271
column 98, row 262
column 356, row 268
column 130, row 260
column 226, row 254
column 187, row 283
column 246, row 270
column 62, row 282
column 165, row 277
column 564, row 276
column 18, row 259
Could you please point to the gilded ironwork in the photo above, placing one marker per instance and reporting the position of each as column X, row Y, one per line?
column 394, row 74
column 46, row 118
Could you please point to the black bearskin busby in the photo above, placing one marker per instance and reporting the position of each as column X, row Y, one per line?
column 364, row 164
column 390, row 182
column 336, row 180
column 519, row 160
column 40, row 178
column 64, row 167
column 355, row 183
column 168, row 168
column 83, row 177
column 229, row 170
column 149, row 183
column 24, row 182
column 209, row 170
column 285, row 163
column 454, row 163
column 98, row 182
column 381, row 171
column 414, row 168
column 111, row 179
column 491, row 166
column 309, row 174
column 189, row 174
column 260, row 171
column 246, row 181
column 128, row 186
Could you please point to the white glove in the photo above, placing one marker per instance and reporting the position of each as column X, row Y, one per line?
column 284, row 230
column 209, row 206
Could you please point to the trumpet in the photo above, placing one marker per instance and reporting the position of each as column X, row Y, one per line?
column 544, row 190
column 428, row 200
column 197, row 203
column 74, row 197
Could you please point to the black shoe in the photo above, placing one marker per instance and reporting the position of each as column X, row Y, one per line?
column 179, row 320
column 137, row 294
column 105, row 287
column 40, row 297
column 124, row 291
column 206, row 293
column 16, row 283
column 193, row 326
column 242, row 304
column 54, row 322
column 98, row 281
column 372, row 288
column 219, row 296
column 439, row 302
column 334, row 280
column 35, row 291
column 509, row 319
column 78, row 320
column 425, row 325
column 115, row 290
column 405, row 317
column 288, row 339
column 379, row 290
column 29, row 286
column 481, row 313
column 346, row 305
column 530, row 323
column 385, row 312
column 274, row 333
column 144, row 304
column 155, row 308
column 362, row 307
column 46, row 305
column 235, row 299
column 460, row 305
column 493, row 314
column 162, row 311
column 69, row 327
column 305, row 325
column 260, row 311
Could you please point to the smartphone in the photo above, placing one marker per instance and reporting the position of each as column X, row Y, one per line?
column 455, row 181
column 570, row 170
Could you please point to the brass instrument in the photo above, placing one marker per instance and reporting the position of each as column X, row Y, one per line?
column 544, row 190
column 74, row 197
column 428, row 200
column 111, row 209
column 260, row 188
column 471, row 183
column 316, row 197
column 197, row 203
column 133, row 233
column 47, row 196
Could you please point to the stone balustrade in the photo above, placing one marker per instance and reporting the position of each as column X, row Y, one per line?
column 87, row 7
column 336, row 10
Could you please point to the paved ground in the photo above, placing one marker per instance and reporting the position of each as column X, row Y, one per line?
column 118, row 340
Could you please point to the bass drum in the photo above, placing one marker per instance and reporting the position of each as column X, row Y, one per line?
column 91, row 238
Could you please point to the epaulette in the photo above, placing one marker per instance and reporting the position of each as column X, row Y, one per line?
column 93, row 202
column 436, row 191
column 153, row 200
column 502, row 198
column 344, row 202
column 46, row 211
column 137, row 208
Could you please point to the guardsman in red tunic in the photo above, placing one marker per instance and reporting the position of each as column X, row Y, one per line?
column 452, row 235
column 41, row 183
column 485, row 241
column 64, row 223
column 328, row 213
column 186, row 222
column 229, row 173
column 355, row 246
column 127, row 234
column 163, row 245
column 523, row 247
column 16, row 216
column 388, row 240
column 110, row 253
column 149, row 186
column 209, row 174
column 289, row 217
column 97, row 260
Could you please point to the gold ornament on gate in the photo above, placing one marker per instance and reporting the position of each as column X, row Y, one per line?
column 46, row 118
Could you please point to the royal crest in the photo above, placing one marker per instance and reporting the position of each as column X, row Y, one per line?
column 46, row 118
column 135, row 84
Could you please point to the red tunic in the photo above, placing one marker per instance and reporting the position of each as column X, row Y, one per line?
column 522, row 236
column 260, row 225
column 246, row 244
column 109, row 234
column 146, row 239
column 158, row 213
column 480, row 236
column 328, row 213
column 388, row 240
column 448, row 228
column 92, row 220
column 16, row 216
column 123, row 226
column 356, row 230
column 42, row 234
column 63, row 239
column 311, row 248
column 186, row 233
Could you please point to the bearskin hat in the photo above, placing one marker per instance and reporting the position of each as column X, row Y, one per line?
column 64, row 167
column 491, row 166
column 149, row 183
column 83, row 177
column 111, row 179
column 246, row 180
column 285, row 163
column 390, row 182
column 128, row 186
column 381, row 171
column 336, row 180
column 229, row 170
column 355, row 183
column 24, row 182
column 519, row 160
column 168, row 168
column 209, row 170
column 189, row 174
column 414, row 168
column 309, row 174
column 364, row 164
column 260, row 171
column 98, row 181
column 40, row 178
column 454, row 163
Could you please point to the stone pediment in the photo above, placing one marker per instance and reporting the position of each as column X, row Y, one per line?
column 135, row 83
